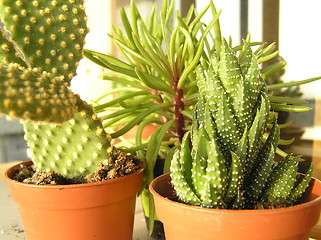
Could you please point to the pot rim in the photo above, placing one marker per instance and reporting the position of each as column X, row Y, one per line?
column 81, row 185
column 229, row 211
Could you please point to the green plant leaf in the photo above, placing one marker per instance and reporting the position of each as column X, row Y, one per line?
column 289, row 108
column 139, row 118
column 154, row 82
column 292, row 83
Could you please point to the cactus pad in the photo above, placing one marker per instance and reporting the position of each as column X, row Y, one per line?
column 8, row 53
column 31, row 94
column 73, row 148
column 49, row 34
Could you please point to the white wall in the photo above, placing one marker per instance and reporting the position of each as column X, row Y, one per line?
column 229, row 18
column 88, row 83
column 300, row 35
column 300, row 42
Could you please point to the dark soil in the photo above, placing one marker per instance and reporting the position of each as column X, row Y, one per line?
column 270, row 205
column 120, row 165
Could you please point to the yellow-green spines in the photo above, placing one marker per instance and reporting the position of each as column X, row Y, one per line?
column 31, row 94
column 73, row 148
column 49, row 34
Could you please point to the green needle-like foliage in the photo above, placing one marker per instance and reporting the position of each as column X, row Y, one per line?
column 155, row 83
column 41, row 46
column 225, row 161
column 155, row 79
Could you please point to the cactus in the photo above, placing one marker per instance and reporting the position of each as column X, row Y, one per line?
column 71, row 148
column 48, row 37
column 41, row 46
column 32, row 94
column 227, row 158
column 47, row 34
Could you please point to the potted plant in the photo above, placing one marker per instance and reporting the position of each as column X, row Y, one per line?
column 225, row 182
column 157, row 85
column 78, row 186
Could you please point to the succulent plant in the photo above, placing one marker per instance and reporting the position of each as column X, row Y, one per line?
column 227, row 159
column 41, row 46
column 156, row 78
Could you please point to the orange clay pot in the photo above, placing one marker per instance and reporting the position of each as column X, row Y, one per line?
column 102, row 210
column 147, row 132
column 182, row 221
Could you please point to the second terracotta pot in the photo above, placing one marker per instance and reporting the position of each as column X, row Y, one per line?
column 185, row 222
column 102, row 210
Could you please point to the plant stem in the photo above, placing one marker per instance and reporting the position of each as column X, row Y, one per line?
column 179, row 107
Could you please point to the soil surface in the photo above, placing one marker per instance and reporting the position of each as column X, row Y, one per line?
column 119, row 165
column 270, row 205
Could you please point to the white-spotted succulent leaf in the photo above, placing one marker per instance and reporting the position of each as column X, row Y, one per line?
column 301, row 187
column 235, row 177
column 256, row 131
column 264, row 165
column 181, row 173
column 232, row 161
column 282, row 180
column 207, row 174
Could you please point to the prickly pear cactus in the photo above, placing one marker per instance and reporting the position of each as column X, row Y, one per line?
column 72, row 148
column 46, row 39
column 32, row 94
column 227, row 158
column 8, row 53
column 47, row 34
column 41, row 45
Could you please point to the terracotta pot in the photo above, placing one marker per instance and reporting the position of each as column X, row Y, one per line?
column 147, row 132
column 102, row 210
column 182, row 221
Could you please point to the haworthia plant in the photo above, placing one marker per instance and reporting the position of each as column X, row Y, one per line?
column 225, row 161
column 41, row 46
